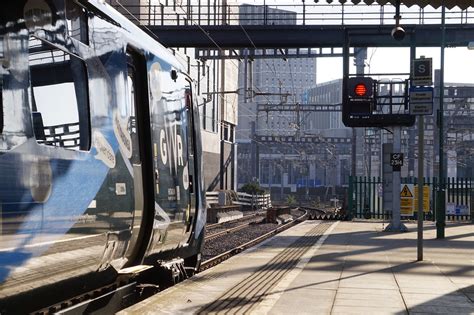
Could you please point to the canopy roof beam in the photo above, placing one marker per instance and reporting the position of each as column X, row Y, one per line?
column 303, row 36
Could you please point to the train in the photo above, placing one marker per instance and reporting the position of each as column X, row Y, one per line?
column 100, row 158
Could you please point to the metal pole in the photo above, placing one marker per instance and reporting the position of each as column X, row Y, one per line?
column 369, row 171
column 245, row 78
column 441, row 202
column 353, row 153
column 264, row 13
column 396, row 219
column 304, row 13
column 420, row 187
column 345, row 70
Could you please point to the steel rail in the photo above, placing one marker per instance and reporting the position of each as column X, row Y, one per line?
column 228, row 231
column 208, row 226
column 221, row 257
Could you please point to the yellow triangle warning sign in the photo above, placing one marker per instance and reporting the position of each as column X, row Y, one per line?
column 406, row 192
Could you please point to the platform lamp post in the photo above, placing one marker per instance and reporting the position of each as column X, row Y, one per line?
column 440, row 194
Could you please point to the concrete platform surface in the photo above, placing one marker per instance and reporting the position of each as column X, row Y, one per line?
column 354, row 268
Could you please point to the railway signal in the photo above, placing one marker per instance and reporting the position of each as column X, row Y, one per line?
column 360, row 88
column 363, row 105
column 360, row 92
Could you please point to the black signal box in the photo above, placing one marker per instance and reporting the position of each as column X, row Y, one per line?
column 363, row 107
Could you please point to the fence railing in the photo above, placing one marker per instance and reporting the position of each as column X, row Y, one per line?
column 212, row 197
column 365, row 198
column 254, row 201
column 244, row 199
column 298, row 13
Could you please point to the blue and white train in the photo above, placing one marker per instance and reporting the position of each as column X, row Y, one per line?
column 100, row 155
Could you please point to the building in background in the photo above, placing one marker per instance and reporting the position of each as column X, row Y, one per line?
column 329, row 126
column 273, row 81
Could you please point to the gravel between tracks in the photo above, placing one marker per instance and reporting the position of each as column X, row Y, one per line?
column 227, row 242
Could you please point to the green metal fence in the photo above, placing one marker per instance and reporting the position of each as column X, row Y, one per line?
column 365, row 197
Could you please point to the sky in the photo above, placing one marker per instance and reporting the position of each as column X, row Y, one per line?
column 459, row 63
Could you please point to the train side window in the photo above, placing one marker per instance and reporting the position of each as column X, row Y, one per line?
column 132, row 97
column 76, row 17
column 60, row 99
column 189, row 109
column 1, row 104
column 2, row 56
column 130, row 89
column 191, row 134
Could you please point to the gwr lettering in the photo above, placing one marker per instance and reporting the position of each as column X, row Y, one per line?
column 171, row 142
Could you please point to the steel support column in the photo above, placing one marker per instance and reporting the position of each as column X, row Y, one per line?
column 441, row 202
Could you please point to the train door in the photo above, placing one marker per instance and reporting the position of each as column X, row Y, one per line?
column 191, row 149
column 139, row 129
column 171, row 141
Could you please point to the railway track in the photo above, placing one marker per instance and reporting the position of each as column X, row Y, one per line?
column 220, row 229
column 241, row 247
column 248, row 216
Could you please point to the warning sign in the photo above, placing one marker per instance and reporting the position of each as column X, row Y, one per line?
column 406, row 200
column 406, row 192
column 426, row 198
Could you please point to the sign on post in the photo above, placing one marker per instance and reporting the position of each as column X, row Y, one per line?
column 422, row 72
column 426, row 198
column 406, row 200
column 396, row 161
column 456, row 209
column 421, row 100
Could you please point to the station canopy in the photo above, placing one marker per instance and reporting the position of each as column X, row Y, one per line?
column 462, row 4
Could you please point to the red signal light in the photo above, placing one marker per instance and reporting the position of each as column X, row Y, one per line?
column 360, row 89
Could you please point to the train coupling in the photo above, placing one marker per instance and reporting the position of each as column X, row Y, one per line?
column 174, row 270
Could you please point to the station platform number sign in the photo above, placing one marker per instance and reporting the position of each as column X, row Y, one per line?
column 422, row 74
column 409, row 199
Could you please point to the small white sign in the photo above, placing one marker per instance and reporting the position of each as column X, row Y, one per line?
column 456, row 209
column 421, row 101
column 120, row 189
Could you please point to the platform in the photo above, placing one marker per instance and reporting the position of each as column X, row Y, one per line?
column 334, row 268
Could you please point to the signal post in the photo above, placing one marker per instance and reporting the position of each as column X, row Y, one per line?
column 421, row 103
column 363, row 107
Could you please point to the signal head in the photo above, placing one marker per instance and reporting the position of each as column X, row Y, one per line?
column 360, row 87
